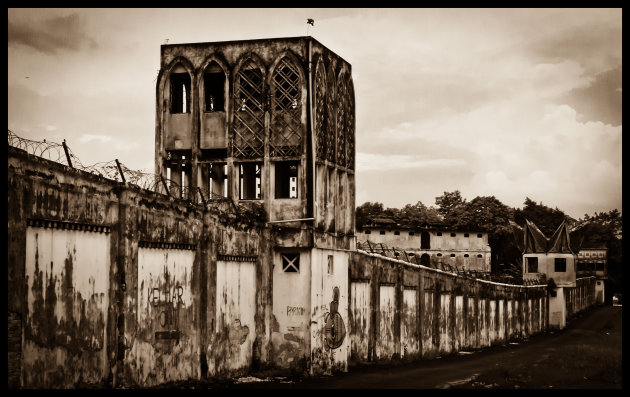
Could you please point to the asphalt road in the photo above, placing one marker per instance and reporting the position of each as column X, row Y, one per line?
column 456, row 370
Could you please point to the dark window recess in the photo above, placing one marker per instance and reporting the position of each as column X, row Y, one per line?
column 580, row 266
column 411, row 233
column 439, row 233
column 368, row 231
column 397, row 233
column 479, row 235
column 249, row 186
column 452, row 255
column 439, row 254
column 453, row 234
column 214, row 91
column 479, row 256
column 466, row 255
column 425, row 260
column 382, row 232
column 532, row 265
column 465, row 234
column 180, row 93
column 286, row 179
column 599, row 266
column 560, row 265
column 425, row 241
column 330, row 265
column 291, row 263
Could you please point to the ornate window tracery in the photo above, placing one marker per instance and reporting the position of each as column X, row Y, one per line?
column 249, row 116
column 320, row 112
column 341, row 123
column 286, row 126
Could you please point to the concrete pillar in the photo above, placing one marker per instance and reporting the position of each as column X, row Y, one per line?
column 557, row 310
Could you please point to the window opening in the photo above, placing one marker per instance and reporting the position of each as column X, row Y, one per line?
column 411, row 233
column 478, row 235
column 560, row 265
column 599, row 266
column 439, row 233
column 453, row 234
column 397, row 233
column 286, row 179
column 214, row 89
column 180, row 92
column 382, row 232
column 465, row 234
column 425, row 260
column 368, row 232
column 466, row 255
column 330, row 264
column 249, row 186
column 218, row 179
column 532, row 265
column 479, row 256
column 439, row 254
column 452, row 255
column 425, row 242
column 291, row 263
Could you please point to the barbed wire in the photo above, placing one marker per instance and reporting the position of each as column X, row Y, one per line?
column 117, row 171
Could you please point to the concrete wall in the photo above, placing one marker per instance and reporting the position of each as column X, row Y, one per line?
column 129, row 287
column 419, row 312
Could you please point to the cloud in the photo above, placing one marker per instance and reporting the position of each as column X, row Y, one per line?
column 51, row 34
column 382, row 162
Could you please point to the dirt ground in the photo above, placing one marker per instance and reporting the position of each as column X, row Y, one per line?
column 587, row 354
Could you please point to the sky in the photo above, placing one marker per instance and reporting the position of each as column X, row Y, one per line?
column 511, row 103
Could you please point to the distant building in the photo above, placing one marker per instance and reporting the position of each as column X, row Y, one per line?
column 433, row 243
column 592, row 261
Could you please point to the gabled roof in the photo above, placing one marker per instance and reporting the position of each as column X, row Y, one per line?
column 535, row 241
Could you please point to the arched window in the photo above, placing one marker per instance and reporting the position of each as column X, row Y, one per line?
column 214, row 88
column 425, row 241
column 286, row 126
column 320, row 111
column 349, row 130
column 341, row 122
column 249, row 116
column 180, row 90
column 425, row 260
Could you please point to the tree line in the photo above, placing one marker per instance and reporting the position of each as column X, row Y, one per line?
column 488, row 214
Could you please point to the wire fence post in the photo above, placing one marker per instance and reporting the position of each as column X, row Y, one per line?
column 65, row 149
column 164, row 184
column 203, row 199
column 122, row 176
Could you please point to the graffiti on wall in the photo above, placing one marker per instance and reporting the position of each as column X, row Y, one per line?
column 164, row 276
column 335, row 329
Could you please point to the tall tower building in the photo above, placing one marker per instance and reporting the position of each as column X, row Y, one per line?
column 271, row 122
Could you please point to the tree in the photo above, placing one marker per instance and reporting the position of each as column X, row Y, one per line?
column 547, row 219
column 605, row 228
column 490, row 215
column 367, row 210
column 415, row 214
column 448, row 203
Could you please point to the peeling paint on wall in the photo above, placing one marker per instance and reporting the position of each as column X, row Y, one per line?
column 165, row 340
column 235, row 310
column 360, row 315
column 67, row 280
column 445, row 321
column 410, row 345
column 385, row 344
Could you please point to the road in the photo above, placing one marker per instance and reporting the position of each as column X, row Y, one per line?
column 461, row 371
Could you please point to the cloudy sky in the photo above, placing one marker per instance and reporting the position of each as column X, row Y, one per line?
column 513, row 103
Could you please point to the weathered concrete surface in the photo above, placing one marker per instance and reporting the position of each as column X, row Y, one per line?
column 454, row 314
